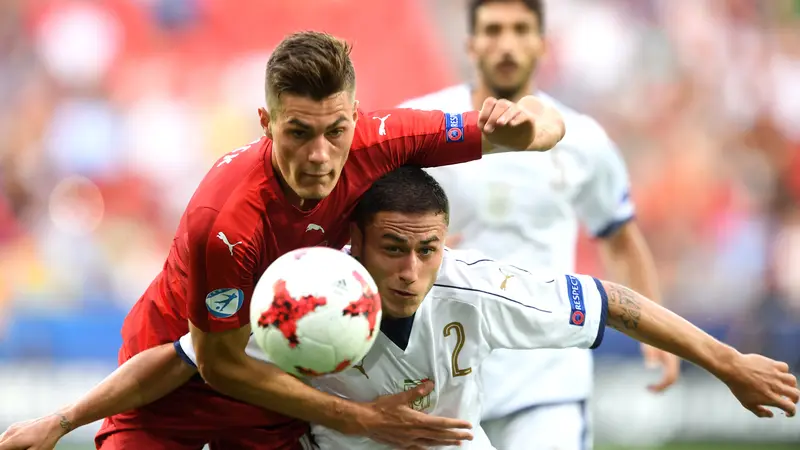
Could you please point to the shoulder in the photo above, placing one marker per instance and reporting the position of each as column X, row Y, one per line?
column 228, row 205
column 470, row 273
column 454, row 98
column 233, row 177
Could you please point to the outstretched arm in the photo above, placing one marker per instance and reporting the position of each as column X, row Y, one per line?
column 143, row 379
column 756, row 381
column 529, row 124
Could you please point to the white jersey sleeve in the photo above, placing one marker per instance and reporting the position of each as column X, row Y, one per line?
column 603, row 203
column 526, row 310
column 185, row 349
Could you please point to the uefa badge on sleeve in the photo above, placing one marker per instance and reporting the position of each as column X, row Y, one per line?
column 224, row 303
column 454, row 127
column 577, row 315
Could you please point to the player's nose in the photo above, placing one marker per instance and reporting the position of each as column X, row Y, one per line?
column 409, row 271
column 320, row 151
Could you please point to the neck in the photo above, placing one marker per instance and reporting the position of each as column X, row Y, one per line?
column 290, row 195
column 482, row 91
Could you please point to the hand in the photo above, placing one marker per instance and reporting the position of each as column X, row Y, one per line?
column 671, row 364
column 506, row 124
column 393, row 422
column 758, row 382
column 39, row 434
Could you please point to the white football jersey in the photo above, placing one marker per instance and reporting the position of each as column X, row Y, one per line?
column 525, row 208
column 475, row 306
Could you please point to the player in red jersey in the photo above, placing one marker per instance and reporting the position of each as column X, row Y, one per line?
column 293, row 188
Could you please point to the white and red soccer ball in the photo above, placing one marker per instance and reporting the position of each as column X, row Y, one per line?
column 315, row 311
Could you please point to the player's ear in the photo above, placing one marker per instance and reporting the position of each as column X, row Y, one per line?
column 356, row 241
column 355, row 111
column 264, row 119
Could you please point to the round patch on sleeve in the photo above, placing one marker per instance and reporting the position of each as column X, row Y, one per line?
column 224, row 303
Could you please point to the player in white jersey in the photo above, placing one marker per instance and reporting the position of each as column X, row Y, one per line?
column 526, row 210
column 444, row 311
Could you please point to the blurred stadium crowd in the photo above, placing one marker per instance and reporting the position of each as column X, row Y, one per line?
column 111, row 112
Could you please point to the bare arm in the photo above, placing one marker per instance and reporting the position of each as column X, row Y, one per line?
column 224, row 365
column 143, row 379
column 756, row 381
column 629, row 261
column 528, row 124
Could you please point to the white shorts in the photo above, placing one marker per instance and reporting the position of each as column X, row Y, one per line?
column 557, row 426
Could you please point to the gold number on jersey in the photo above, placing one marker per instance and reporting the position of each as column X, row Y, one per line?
column 460, row 338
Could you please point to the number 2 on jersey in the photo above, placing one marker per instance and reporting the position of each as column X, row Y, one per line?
column 460, row 338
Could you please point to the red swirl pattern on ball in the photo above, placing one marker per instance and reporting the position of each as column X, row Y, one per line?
column 286, row 311
column 369, row 304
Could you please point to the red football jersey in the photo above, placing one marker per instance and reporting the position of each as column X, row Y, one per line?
column 238, row 222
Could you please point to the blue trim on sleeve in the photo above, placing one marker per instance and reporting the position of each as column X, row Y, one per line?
column 603, row 314
column 182, row 354
column 612, row 228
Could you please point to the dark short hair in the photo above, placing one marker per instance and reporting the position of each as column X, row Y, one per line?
column 309, row 64
column 536, row 7
column 408, row 189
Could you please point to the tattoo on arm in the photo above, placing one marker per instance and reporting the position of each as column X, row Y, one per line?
column 624, row 308
column 65, row 423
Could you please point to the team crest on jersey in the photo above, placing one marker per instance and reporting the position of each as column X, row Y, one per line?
column 419, row 404
column 224, row 303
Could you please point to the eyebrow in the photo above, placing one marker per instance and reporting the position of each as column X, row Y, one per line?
column 300, row 124
column 402, row 240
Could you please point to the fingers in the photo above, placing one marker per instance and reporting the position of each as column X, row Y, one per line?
column 443, row 423
column 761, row 411
column 496, row 113
column 424, row 388
column 789, row 397
column 650, row 354
column 790, row 391
column 409, row 396
column 672, row 367
column 789, row 379
column 427, row 443
column 485, row 112
column 668, row 380
column 787, row 406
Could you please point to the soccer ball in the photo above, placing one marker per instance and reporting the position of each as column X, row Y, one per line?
column 315, row 311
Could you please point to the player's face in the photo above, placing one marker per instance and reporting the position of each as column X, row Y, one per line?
column 403, row 253
column 506, row 46
column 310, row 141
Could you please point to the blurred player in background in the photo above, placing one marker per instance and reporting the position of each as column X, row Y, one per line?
column 525, row 209
column 287, row 190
